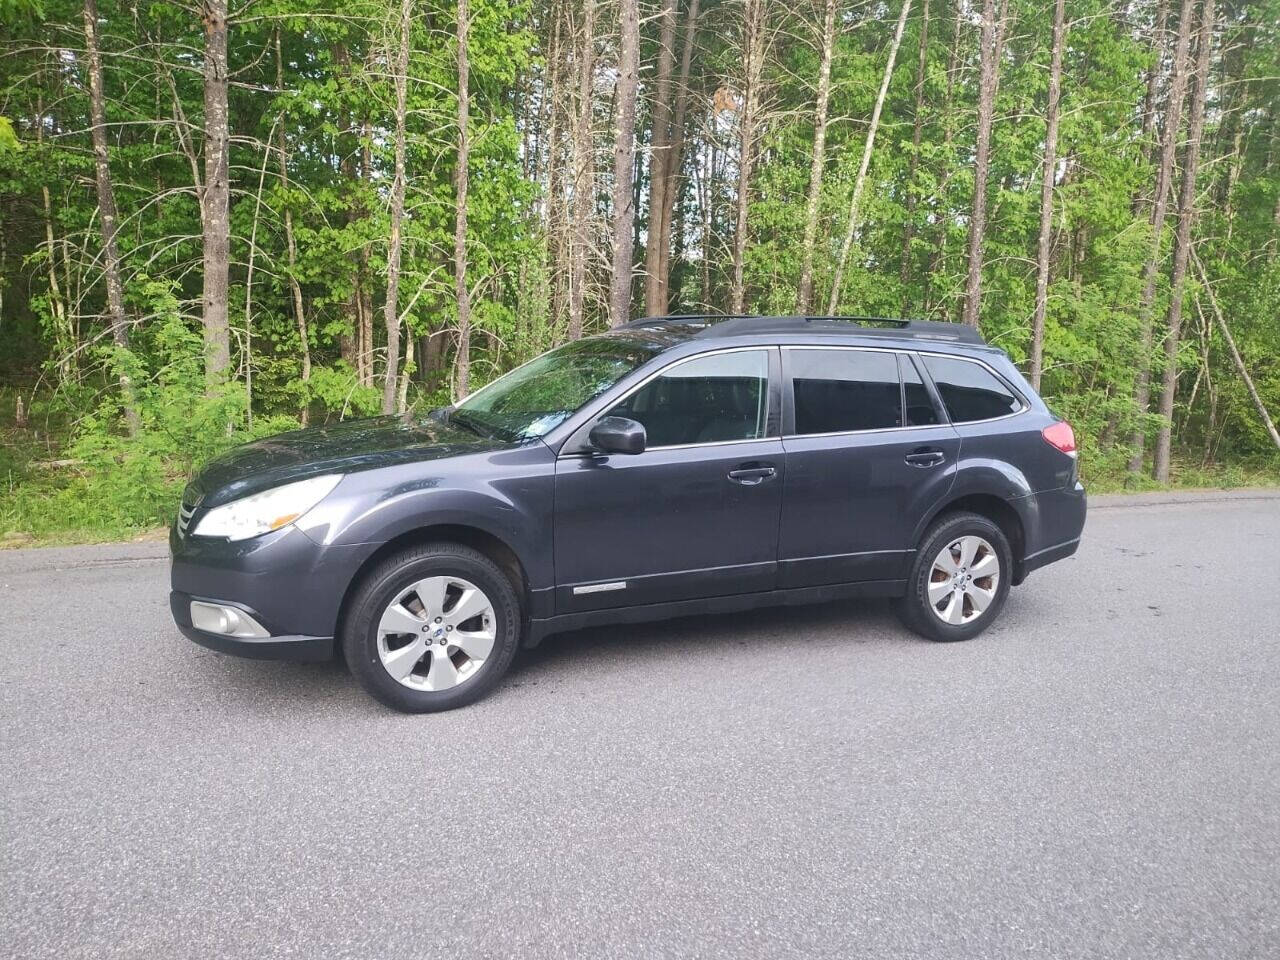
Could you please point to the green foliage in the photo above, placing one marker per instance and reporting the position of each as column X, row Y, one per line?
column 330, row 123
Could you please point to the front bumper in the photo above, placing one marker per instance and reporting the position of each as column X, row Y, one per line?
column 291, row 585
column 275, row 647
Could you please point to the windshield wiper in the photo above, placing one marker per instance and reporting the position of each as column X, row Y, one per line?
column 468, row 424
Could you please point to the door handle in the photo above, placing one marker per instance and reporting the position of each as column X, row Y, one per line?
column 925, row 458
column 749, row 476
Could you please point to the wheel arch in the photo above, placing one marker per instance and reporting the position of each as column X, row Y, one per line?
column 1000, row 512
column 492, row 546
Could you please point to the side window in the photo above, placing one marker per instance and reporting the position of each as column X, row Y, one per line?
column 919, row 405
column 970, row 391
column 724, row 396
column 840, row 390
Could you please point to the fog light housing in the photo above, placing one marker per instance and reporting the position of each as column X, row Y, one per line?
column 228, row 621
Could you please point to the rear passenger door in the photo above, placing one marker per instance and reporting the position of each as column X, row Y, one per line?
column 868, row 452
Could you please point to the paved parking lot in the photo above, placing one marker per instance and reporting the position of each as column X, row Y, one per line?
column 1099, row 775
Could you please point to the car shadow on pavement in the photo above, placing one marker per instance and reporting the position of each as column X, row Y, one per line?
column 844, row 621
column 281, row 688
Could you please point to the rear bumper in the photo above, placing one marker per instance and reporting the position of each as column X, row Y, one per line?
column 1053, row 522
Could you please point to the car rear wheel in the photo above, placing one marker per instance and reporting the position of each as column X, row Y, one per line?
column 432, row 628
column 959, row 580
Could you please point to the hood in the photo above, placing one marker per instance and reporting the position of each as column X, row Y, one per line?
column 345, row 447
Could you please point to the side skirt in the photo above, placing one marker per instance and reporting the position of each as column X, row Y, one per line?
column 537, row 630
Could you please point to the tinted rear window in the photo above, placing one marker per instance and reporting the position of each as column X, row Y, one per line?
column 840, row 390
column 970, row 391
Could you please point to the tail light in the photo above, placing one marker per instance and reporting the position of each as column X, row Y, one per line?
column 1060, row 436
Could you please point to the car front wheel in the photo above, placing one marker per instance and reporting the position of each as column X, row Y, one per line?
column 432, row 628
column 959, row 579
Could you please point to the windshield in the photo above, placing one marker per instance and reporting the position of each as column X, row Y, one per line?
column 533, row 399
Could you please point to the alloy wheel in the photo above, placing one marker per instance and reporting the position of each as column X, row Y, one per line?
column 436, row 633
column 963, row 580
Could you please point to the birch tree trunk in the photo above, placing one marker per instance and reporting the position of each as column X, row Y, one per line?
column 624, row 155
column 1182, row 241
column 107, row 213
column 1159, row 210
column 753, row 48
column 461, row 180
column 917, row 136
column 583, row 174
column 804, row 293
column 291, row 248
column 63, row 336
column 215, row 199
column 1046, row 194
column 851, row 227
column 655, row 253
column 673, row 165
column 391, row 309
column 936, row 264
column 364, row 279
column 988, row 87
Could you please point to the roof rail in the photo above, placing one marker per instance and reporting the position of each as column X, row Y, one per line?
column 715, row 325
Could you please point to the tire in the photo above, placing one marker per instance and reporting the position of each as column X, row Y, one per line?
column 957, row 592
column 425, row 590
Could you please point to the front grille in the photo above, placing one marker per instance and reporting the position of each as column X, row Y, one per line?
column 185, row 513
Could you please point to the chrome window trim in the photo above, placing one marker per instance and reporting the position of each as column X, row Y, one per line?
column 762, row 347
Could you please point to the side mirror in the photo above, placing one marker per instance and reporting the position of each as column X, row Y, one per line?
column 617, row 435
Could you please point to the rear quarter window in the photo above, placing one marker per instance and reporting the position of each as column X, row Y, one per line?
column 970, row 391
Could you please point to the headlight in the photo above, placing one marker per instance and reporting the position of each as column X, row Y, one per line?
column 266, row 511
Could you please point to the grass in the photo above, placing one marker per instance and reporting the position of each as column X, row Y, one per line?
column 46, row 501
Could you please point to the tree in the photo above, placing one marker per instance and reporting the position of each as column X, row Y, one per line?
column 1182, row 241
column 291, row 247
column 917, row 135
column 1047, row 177
column 673, row 163
column 583, row 175
column 1159, row 209
column 107, row 208
column 624, row 152
column 804, row 295
column 655, row 253
column 461, row 183
column 391, row 307
column 215, row 207
column 755, row 43
column 851, row 227
column 991, row 47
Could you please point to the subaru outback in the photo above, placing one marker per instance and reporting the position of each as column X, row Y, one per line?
column 673, row 466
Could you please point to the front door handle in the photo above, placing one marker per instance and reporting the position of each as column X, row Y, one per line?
column 925, row 458
column 750, row 474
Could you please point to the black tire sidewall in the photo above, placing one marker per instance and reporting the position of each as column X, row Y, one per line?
column 380, row 588
column 914, row 607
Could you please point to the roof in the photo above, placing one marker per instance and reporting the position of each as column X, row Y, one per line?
column 706, row 326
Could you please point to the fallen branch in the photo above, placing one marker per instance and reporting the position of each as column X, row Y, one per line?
column 1235, row 355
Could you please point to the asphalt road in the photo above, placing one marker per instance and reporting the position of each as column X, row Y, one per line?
column 1097, row 776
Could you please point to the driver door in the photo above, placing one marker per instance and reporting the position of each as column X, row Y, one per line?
column 694, row 515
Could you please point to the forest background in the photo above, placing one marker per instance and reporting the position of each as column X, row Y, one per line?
column 220, row 220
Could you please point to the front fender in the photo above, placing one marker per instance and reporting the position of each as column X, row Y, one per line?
column 507, row 495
